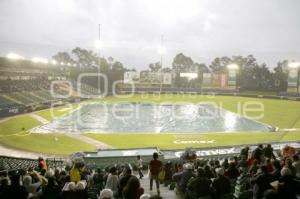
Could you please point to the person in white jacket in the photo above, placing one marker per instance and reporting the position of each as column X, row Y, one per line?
column 112, row 181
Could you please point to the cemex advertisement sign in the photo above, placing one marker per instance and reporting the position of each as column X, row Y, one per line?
column 225, row 151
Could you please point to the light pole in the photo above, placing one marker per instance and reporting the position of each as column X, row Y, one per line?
column 161, row 51
column 98, row 47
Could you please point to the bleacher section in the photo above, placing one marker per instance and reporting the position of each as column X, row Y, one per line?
column 11, row 163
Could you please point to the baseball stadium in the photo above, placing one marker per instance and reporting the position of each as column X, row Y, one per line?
column 102, row 119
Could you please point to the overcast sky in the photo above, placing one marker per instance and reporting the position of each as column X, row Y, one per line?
column 131, row 29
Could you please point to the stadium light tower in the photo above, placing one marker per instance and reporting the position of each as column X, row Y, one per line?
column 14, row 56
column 232, row 67
column 98, row 47
column 161, row 51
column 294, row 65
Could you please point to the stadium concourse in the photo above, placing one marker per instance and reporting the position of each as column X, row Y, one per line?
column 260, row 172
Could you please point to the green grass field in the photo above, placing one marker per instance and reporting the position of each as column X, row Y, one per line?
column 277, row 113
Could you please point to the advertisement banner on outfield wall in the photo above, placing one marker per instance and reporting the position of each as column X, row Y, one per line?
column 147, row 77
column 131, row 77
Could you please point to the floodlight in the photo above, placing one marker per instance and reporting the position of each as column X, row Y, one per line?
column 62, row 63
column 69, row 64
column 98, row 44
column 53, row 62
column 39, row 60
column 294, row 65
column 14, row 56
column 233, row 66
column 161, row 50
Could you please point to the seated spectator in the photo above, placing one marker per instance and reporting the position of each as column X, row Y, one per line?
column 52, row 190
column 242, row 185
column 69, row 191
column 296, row 165
column 277, row 168
column 288, row 186
column 182, row 178
column 199, row 186
column 271, row 194
column 253, row 168
column 269, row 165
column 232, row 172
column 225, row 164
column 221, row 184
column 106, row 194
column 98, row 178
column 261, row 182
column 289, row 164
column 15, row 189
column 112, row 181
column 81, row 191
column 133, row 189
column 208, row 172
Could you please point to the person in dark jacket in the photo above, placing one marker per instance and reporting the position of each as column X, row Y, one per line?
column 52, row 190
column 288, row 187
column 261, row 182
column 124, row 180
column 221, row 184
column 268, row 152
column 182, row 178
column 276, row 172
column 199, row 186
column 257, row 153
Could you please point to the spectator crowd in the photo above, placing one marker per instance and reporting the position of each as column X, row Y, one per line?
column 253, row 174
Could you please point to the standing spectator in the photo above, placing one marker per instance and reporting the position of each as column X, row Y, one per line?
column 268, row 152
column 123, row 180
column 296, row 164
column 112, row 181
column 245, row 151
column 140, row 166
column 182, row 178
column 31, row 187
column 221, row 184
column 253, row 168
column 258, row 153
column 154, row 166
column 42, row 164
column 261, row 182
column 200, row 186
column 133, row 189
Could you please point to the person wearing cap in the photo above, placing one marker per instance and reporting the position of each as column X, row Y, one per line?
column 182, row 178
column 221, row 184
